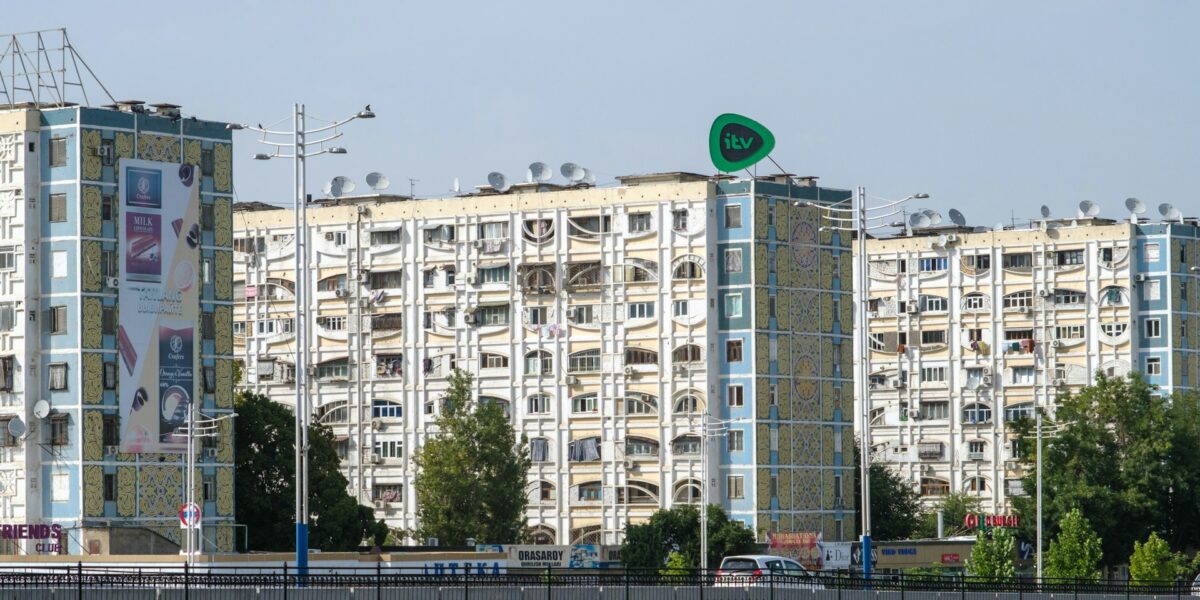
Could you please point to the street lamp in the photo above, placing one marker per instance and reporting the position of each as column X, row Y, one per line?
column 708, row 429
column 855, row 220
column 205, row 427
column 1053, row 431
column 299, row 145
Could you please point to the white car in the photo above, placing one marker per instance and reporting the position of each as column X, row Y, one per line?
column 764, row 570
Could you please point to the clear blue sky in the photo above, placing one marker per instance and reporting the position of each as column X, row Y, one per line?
column 994, row 108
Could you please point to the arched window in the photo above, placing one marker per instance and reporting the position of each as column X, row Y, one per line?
column 976, row 413
column 332, row 283
column 1016, row 412
column 639, row 447
column 688, row 269
column 686, row 445
column 584, row 361
column 585, row 403
column 687, row 491
column 590, row 491
column 539, row 362
column 640, row 356
column 538, row 404
column 547, row 492
column 686, row 354
column 1018, row 300
column 496, row 401
column 933, row 486
column 586, row 535
column 386, row 409
column 637, row 403
column 976, row 302
column 333, row 413
column 687, row 403
column 542, row 535
column 638, row 492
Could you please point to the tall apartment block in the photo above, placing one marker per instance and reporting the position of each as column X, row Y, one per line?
column 62, row 221
column 971, row 329
column 611, row 323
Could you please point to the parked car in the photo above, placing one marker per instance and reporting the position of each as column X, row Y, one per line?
column 764, row 570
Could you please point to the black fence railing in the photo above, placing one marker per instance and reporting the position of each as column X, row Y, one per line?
column 471, row 576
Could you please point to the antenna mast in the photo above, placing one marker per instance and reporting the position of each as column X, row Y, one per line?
column 42, row 68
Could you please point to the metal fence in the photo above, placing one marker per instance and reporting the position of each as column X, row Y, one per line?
column 79, row 582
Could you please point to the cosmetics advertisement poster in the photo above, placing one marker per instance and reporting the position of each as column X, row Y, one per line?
column 159, row 299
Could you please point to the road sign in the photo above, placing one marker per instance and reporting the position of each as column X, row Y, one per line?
column 189, row 515
column 856, row 555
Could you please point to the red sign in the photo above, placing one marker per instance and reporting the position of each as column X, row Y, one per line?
column 189, row 515
column 949, row 558
column 803, row 546
column 973, row 521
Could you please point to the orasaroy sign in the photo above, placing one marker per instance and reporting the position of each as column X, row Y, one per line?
column 976, row 521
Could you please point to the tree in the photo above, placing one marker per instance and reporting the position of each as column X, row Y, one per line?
column 676, row 565
column 895, row 505
column 677, row 530
column 1126, row 458
column 954, row 508
column 470, row 480
column 1076, row 552
column 1153, row 562
column 265, row 435
column 992, row 557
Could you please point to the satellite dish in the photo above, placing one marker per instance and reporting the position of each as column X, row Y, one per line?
column 957, row 217
column 378, row 181
column 1169, row 212
column 41, row 409
column 17, row 428
column 540, row 172
column 1135, row 206
column 340, row 186
column 588, row 177
column 918, row 220
column 327, row 189
column 573, row 172
column 942, row 240
column 1045, row 212
column 1087, row 208
column 498, row 181
column 935, row 218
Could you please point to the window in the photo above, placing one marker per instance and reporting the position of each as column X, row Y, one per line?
column 60, row 487
column 641, row 310
column 58, row 376
column 332, row 323
column 337, row 237
column 1153, row 328
column 208, row 328
column 1065, row 258
column 976, row 484
column 933, row 264
column 110, row 487
column 733, row 216
column 539, row 362
column 1069, row 297
column 380, row 238
column 686, row 404
column 590, row 492
column 638, row 356
column 493, row 231
column 1019, row 260
column 688, row 269
column 933, row 337
column 736, row 396
column 639, row 222
column 1152, row 289
column 494, row 274
column 1019, row 300
column 8, row 316
column 492, row 315
column 976, row 413
column 680, row 308
column 975, row 302
column 933, row 304
column 1068, row 332
column 772, row 304
column 679, row 219
column 1114, row 329
column 733, row 306
column 547, row 492
column 1153, row 365
column 932, row 486
column 773, row 350
column 488, row 360
column 388, row 492
column 58, row 151
column 733, row 260
column 638, row 403
column 772, row 261
column 773, row 397
column 389, row 448
column 736, row 440
column 584, row 314
column 386, row 409
column 110, row 430
column 589, row 227
column 385, row 280
column 686, row 445
column 58, row 208
column 933, row 374
column 1016, row 412
column 8, row 258
column 735, row 487
column 587, row 361
column 932, row 411
column 389, row 365
column 1015, row 335
column 733, row 351
column 535, row 315
column 539, row 450
column 332, row 284
column 1023, row 375
column 979, row 262
column 334, row 369
column 428, row 277
column 538, row 404
column 635, row 446
column 1152, row 251
column 59, row 430
column 586, row 449
column 58, row 264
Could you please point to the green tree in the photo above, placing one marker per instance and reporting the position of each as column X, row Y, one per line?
column 265, row 434
column 1153, row 562
column 676, row 565
column 1124, row 456
column 677, row 530
column 470, row 480
column 895, row 505
column 1076, row 552
column 954, row 508
column 992, row 557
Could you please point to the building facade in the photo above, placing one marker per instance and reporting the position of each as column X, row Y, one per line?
column 616, row 326
column 60, row 225
column 971, row 329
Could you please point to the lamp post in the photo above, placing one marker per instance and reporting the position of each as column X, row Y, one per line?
column 205, row 427
column 855, row 220
column 708, row 429
column 300, row 153
column 1053, row 431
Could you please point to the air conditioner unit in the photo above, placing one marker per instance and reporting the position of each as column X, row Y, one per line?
column 478, row 244
column 472, row 278
column 208, row 454
column 362, row 210
column 987, row 370
column 469, row 318
column 1023, row 310
column 912, row 307
column 898, row 383
column 680, row 370
column 986, row 380
column 104, row 151
column 380, row 504
column 572, row 380
column 629, row 464
column 1049, row 254
column 376, row 424
column 374, row 458
column 952, row 237
column 629, row 370
column 113, row 282
column 1060, row 382
column 1055, row 343
column 364, row 277
column 112, row 449
column 571, row 312
column 1140, row 277
column 1043, row 293
column 914, row 414
column 329, row 236
column 340, row 292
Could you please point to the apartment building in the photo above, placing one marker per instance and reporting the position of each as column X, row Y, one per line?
column 971, row 329
column 66, row 458
column 611, row 323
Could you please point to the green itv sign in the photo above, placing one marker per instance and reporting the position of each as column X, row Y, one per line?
column 736, row 142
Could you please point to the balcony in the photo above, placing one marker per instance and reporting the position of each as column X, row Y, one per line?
column 537, row 278
column 930, row 451
column 975, row 456
column 584, row 276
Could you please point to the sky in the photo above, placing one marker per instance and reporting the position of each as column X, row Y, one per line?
column 993, row 108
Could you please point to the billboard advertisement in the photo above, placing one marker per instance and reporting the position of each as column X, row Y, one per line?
column 159, row 302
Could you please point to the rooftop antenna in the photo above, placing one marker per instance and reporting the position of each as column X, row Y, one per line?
column 340, row 186
column 1136, row 207
column 957, row 218
column 498, row 181
column 43, row 67
column 573, row 172
column 1169, row 212
column 1087, row 208
column 412, row 187
column 540, row 172
column 378, row 181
